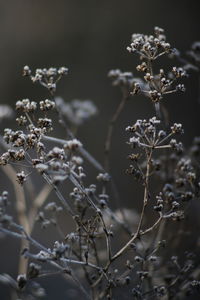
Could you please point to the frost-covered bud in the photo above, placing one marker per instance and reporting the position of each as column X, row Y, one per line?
column 31, row 140
column 138, row 259
column 63, row 71
column 21, row 121
column 33, row 270
column 142, row 67
column 177, row 128
column 51, row 206
column 59, row 249
column 153, row 258
column 179, row 72
column 81, row 174
column 40, row 147
column 103, row 203
column 162, row 134
column 4, row 159
column 158, row 207
column 103, row 177
column 180, row 87
column 51, row 86
column 21, row 177
column 136, row 88
column 134, row 141
column 51, row 72
column 47, row 105
column 155, row 95
column 26, row 71
column 173, row 142
column 41, row 167
column 43, row 256
column 191, row 176
column 158, row 30
column 56, row 152
column 77, row 160
column 160, row 291
column 167, row 47
column 129, row 49
column 45, row 123
column 175, row 205
column 148, row 77
column 26, row 105
column 72, row 145
column 21, row 280
column 19, row 155
column 178, row 147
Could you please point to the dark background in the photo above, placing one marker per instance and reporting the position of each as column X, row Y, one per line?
column 90, row 38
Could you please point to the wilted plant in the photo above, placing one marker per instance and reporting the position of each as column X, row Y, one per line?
column 142, row 264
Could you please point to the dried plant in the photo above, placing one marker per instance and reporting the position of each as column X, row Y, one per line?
column 109, row 252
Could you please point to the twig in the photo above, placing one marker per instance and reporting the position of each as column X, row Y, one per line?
column 135, row 236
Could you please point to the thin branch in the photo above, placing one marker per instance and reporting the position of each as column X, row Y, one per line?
column 135, row 236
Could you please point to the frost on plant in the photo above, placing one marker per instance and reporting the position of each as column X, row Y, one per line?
column 110, row 252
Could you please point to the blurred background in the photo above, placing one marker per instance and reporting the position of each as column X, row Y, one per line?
column 90, row 38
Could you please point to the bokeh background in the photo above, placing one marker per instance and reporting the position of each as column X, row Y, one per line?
column 90, row 38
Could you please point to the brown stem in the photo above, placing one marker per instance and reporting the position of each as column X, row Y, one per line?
column 134, row 238
column 146, row 191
